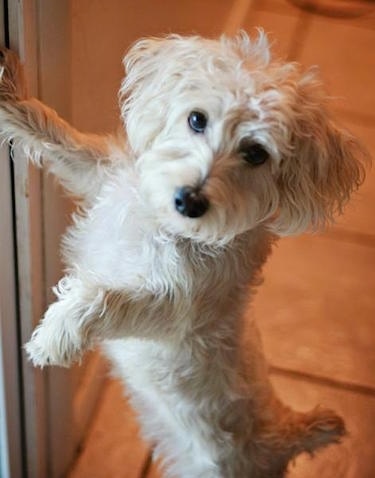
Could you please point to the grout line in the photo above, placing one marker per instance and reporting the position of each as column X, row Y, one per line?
column 301, row 32
column 237, row 16
column 351, row 237
column 82, row 444
column 346, row 11
column 319, row 380
column 355, row 117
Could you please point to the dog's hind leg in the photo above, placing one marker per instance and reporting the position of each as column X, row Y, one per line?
column 78, row 160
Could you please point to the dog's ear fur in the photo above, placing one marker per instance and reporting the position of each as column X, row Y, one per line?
column 141, row 82
column 139, row 62
column 325, row 166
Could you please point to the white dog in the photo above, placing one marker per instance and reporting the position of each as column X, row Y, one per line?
column 224, row 152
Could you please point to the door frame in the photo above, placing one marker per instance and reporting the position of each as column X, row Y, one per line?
column 23, row 296
column 44, row 410
column 36, row 407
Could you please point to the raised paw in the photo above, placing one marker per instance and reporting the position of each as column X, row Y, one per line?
column 12, row 83
column 51, row 345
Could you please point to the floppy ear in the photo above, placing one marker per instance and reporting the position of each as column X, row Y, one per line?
column 325, row 165
column 142, row 64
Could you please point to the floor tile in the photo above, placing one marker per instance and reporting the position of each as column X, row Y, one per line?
column 355, row 456
column 112, row 448
column 316, row 308
column 284, row 7
column 280, row 28
column 344, row 53
column 357, row 12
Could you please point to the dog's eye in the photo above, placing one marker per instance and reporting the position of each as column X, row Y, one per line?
column 253, row 153
column 197, row 121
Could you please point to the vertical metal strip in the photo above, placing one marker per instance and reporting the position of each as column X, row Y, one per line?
column 21, row 391
column 21, row 395
column 22, row 38
column 10, row 403
column 13, row 453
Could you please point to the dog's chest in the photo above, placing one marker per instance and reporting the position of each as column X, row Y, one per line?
column 118, row 245
column 156, row 369
column 112, row 245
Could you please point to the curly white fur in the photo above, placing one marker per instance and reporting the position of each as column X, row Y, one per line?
column 166, row 294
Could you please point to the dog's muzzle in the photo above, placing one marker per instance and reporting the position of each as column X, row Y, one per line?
column 190, row 202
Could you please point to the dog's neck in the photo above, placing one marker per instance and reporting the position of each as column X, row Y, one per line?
column 190, row 267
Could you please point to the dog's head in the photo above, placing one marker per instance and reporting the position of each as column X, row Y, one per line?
column 227, row 140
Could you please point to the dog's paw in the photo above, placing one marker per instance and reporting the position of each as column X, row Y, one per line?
column 12, row 84
column 49, row 346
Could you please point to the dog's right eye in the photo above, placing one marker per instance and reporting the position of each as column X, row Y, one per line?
column 197, row 121
column 253, row 153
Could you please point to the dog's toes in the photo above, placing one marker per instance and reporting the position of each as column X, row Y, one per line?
column 2, row 63
column 45, row 349
column 9, row 58
column 36, row 354
column 2, row 55
column 41, row 358
column 12, row 84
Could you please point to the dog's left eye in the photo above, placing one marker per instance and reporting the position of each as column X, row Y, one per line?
column 253, row 153
column 197, row 121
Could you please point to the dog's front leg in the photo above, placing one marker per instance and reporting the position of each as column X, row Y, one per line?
column 78, row 160
column 62, row 336
column 85, row 314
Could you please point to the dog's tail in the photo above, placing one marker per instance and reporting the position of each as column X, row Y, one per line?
column 297, row 433
column 78, row 160
column 307, row 432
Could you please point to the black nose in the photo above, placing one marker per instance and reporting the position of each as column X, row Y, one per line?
column 190, row 202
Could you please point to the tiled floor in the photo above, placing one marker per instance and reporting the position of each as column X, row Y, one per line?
column 316, row 309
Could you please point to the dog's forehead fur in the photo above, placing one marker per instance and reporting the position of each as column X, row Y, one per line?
column 232, row 80
column 186, row 65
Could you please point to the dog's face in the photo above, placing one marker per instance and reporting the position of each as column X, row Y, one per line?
column 226, row 140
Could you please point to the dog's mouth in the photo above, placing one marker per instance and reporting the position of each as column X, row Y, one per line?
column 190, row 202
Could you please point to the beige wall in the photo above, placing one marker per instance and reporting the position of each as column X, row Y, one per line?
column 102, row 32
